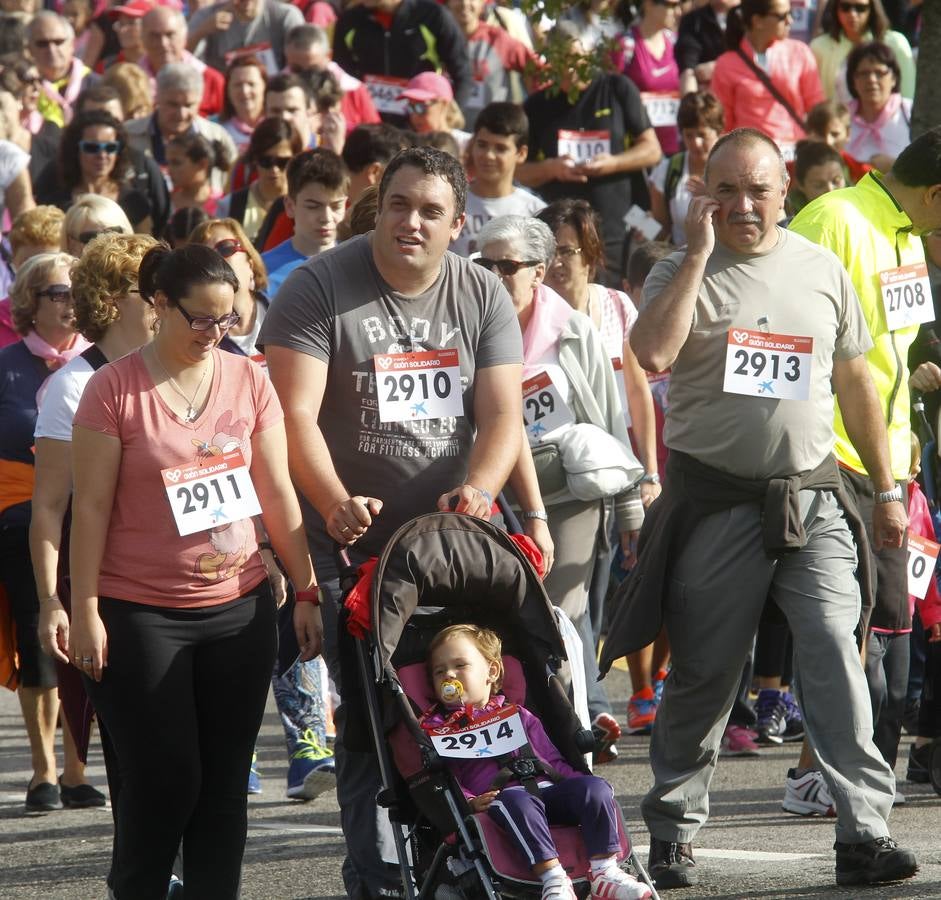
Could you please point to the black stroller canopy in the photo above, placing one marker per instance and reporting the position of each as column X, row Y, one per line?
column 449, row 560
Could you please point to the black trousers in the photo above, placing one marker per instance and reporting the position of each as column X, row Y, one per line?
column 183, row 697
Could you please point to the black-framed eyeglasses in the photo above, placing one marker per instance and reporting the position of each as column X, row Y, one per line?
column 86, row 237
column 269, row 162
column 228, row 247
column 781, row 17
column 860, row 8
column 96, row 147
column 506, row 268
column 567, row 252
column 204, row 323
column 57, row 293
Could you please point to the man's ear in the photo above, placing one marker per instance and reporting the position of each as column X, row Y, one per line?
column 373, row 172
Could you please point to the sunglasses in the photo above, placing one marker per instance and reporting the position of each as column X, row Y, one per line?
column 204, row 323
column 507, row 268
column 30, row 80
column 228, row 247
column 93, row 148
column 46, row 43
column 861, row 8
column 57, row 293
column 669, row 4
column 86, row 237
column 270, row 162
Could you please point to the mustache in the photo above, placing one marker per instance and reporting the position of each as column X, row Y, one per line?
column 744, row 219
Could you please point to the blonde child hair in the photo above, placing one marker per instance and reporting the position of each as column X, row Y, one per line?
column 486, row 641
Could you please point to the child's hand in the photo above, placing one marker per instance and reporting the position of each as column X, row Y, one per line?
column 482, row 801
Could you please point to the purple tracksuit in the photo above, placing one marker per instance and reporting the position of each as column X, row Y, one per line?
column 578, row 799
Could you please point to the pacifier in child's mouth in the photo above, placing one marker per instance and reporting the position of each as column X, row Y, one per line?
column 451, row 691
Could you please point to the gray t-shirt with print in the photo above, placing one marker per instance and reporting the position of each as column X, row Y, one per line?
column 797, row 288
column 337, row 308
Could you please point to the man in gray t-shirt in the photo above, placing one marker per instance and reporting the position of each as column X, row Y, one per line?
column 760, row 330
column 399, row 366
column 258, row 25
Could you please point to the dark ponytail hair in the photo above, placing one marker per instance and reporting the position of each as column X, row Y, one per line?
column 198, row 148
column 739, row 20
column 177, row 272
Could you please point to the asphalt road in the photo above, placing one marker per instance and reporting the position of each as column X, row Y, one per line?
column 749, row 849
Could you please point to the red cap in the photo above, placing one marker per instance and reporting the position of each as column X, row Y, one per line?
column 136, row 9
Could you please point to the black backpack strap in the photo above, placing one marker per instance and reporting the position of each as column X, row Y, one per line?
column 94, row 357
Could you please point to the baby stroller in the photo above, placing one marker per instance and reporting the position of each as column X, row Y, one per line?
column 437, row 570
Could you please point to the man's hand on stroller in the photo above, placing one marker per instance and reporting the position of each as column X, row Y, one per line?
column 482, row 801
column 349, row 518
column 308, row 628
column 467, row 499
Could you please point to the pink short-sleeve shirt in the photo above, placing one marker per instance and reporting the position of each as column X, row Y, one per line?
column 145, row 559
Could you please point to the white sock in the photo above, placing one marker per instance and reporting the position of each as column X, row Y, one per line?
column 599, row 866
column 556, row 873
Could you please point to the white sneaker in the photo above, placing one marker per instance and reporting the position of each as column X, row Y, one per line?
column 559, row 889
column 615, row 884
column 807, row 795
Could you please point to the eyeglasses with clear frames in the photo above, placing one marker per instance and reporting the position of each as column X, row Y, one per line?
column 562, row 252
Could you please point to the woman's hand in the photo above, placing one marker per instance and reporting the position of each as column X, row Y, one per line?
column 308, row 629
column 482, row 801
column 88, row 644
column 54, row 629
column 629, row 549
column 539, row 532
column 275, row 577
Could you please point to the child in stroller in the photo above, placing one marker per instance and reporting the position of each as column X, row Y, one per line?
column 532, row 789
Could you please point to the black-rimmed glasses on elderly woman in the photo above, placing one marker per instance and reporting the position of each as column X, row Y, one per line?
column 506, row 267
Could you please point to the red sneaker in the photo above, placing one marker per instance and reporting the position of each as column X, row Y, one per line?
column 641, row 711
column 606, row 730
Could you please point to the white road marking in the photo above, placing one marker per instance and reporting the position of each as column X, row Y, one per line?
column 749, row 855
column 284, row 828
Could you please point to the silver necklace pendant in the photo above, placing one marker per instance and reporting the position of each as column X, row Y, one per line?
column 190, row 415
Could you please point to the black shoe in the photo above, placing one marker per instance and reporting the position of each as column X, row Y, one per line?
column 42, row 797
column 82, row 796
column 919, row 764
column 670, row 864
column 873, row 862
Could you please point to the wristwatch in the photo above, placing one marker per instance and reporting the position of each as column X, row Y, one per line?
column 650, row 478
column 536, row 514
column 888, row 496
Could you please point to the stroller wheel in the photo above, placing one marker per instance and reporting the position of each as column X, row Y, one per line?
column 934, row 767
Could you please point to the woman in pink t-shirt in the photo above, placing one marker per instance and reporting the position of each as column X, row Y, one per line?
column 176, row 448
